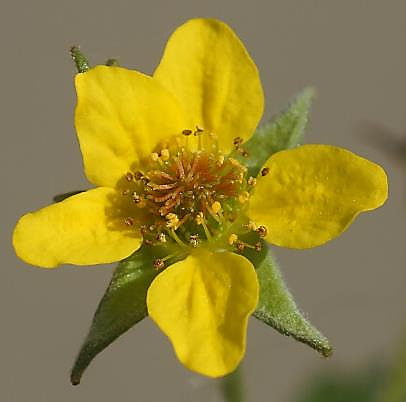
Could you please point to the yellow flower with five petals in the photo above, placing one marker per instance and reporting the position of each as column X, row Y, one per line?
column 158, row 151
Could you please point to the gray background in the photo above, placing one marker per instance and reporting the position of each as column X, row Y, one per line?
column 353, row 52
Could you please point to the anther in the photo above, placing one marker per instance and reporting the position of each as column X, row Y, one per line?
column 258, row 246
column 194, row 240
column 264, row 171
column 262, row 231
column 165, row 154
column 161, row 237
column 252, row 181
column 125, row 192
column 244, row 153
column 199, row 218
column 154, row 156
column 220, row 161
column 198, row 130
column 251, row 226
column 159, row 264
column 216, row 207
column 172, row 220
column 240, row 245
column 232, row 239
column 187, row 132
column 136, row 198
column 138, row 175
column 129, row 221
column 237, row 142
column 244, row 197
column 129, row 176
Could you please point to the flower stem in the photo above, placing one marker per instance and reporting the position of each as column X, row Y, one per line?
column 232, row 386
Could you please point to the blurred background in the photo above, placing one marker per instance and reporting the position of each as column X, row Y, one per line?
column 352, row 289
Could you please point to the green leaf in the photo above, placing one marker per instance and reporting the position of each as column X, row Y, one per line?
column 283, row 131
column 112, row 63
column 61, row 197
column 276, row 306
column 122, row 306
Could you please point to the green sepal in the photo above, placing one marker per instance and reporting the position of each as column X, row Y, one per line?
column 122, row 306
column 64, row 196
column 112, row 63
column 80, row 60
column 276, row 306
column 283, row 131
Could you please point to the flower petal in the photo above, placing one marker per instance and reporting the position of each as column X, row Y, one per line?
column 121, row 116
column 313, row 193
column 208, row 68
column 79, row 230
column 202, row 304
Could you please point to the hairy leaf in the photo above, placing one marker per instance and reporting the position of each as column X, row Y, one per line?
column 61, row 197
column 277, row 308
column 122, row 306
column 283, row 131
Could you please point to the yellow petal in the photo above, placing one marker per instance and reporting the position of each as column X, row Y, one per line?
column 121, row 116
column 313, row 193
column 209, row 70
column 202, row 304
column 79, row 230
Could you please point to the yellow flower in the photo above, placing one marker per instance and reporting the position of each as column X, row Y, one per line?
column 156, row 148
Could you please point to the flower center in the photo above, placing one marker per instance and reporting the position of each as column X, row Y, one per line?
column 187, row 196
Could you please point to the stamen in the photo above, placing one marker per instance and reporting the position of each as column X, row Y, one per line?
column 262, row 231
column 216, row 207
column 244, row 197
column 187, row 132
column 165, row 154
column 159, row 264
column 194, row 240
column 199, row 218
column 161, row 237
column 129, row 176
column 252, row 181
column 232, row 239
column 172, row 221
column 264, row 171
column 129, row 221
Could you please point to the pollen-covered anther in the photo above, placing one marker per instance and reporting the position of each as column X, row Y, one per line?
column 129, row 221
column 244, row 197
column 251, row 226
column 232, row 239
column 172, row 221
column 165, row 154
column 264, row 171
column 135, row 197
column 220, row 161
column 199, row 218
column 161, row 237
column 237, row 142
column 216, row 207
column 258, row 246
column 199, row 130
column 187, row 132
column 154, row 156
column 129, row 176
column 159, row 264
column 194, row 240
column 240, row 245
column 262, row 231
column 252, row 181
